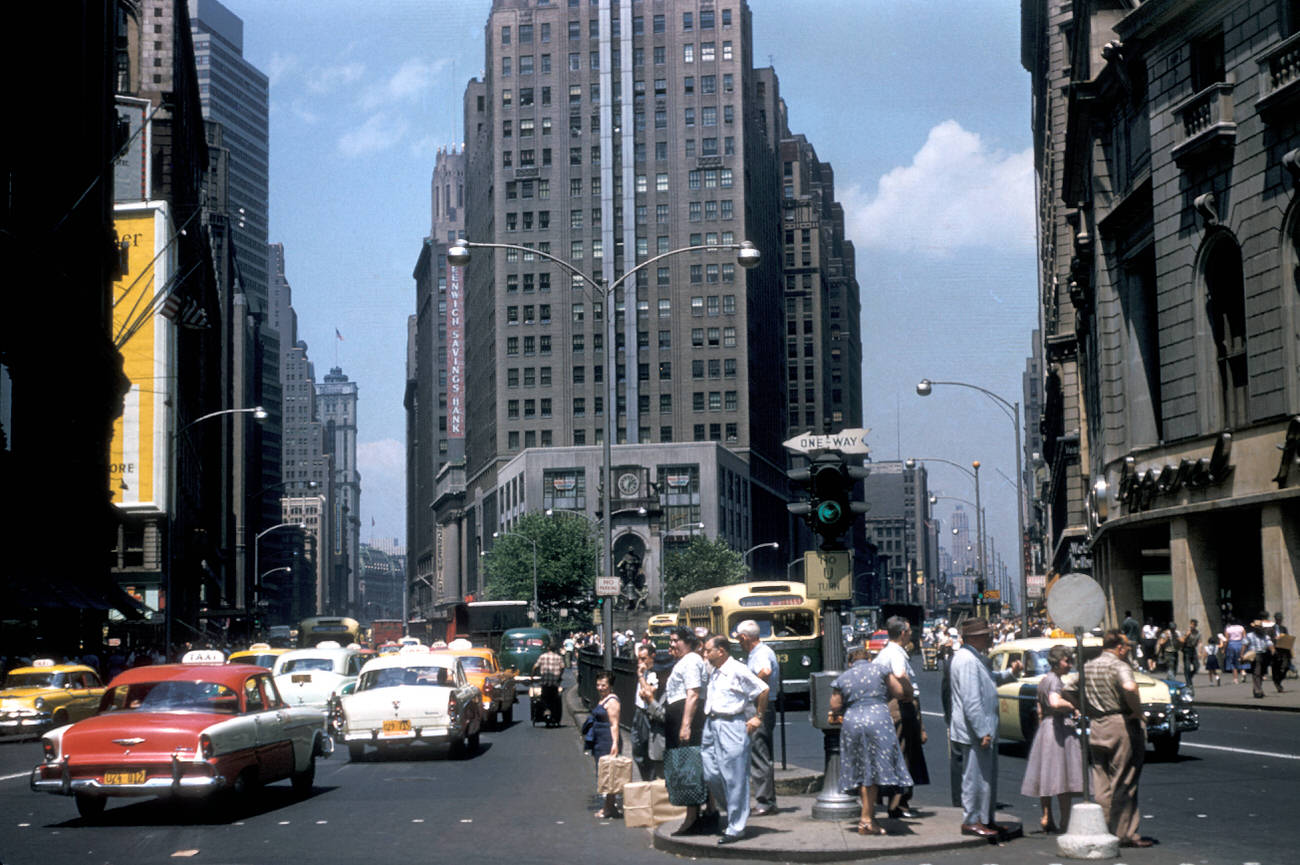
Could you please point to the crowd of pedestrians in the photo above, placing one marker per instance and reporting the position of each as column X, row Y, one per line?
column 1249, row 651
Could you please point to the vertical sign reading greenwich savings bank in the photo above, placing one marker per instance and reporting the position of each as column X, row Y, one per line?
column 455, row 354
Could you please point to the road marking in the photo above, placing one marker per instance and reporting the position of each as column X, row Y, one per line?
column 1241, row 751
column 1186, row 744
column 15, row 776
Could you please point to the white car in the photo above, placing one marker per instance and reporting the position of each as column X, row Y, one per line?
column 407, row 698
column 309, row 677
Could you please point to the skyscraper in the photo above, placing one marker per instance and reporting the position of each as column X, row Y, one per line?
column 611, row 135
column 336, row 399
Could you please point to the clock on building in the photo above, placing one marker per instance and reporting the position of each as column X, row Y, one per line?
column 629, row 484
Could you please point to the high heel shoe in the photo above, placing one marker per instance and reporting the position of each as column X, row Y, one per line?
column 868, row 827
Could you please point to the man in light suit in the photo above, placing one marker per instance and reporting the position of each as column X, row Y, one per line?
column 973, row 730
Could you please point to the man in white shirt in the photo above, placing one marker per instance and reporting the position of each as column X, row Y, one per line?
column 734, row 705
column 762, row 662
column 906, row 715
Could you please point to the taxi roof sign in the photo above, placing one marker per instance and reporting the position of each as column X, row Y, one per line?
column 204, row 656
column 43, row 662
column 413, row 649
column 259, row 646
column 328, row 644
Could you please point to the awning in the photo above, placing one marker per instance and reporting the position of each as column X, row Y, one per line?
column 52, row 592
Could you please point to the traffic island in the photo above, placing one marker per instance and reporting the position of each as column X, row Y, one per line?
column 792, row 835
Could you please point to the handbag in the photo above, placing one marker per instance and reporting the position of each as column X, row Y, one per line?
column 1248, row 656
column 613, row 772
column 589, row 733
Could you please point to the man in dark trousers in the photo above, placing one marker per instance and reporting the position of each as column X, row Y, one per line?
column 549, row 669
column 1117, row 739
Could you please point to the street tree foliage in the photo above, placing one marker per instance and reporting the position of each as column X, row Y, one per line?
column 701, row 564
column 567, row 548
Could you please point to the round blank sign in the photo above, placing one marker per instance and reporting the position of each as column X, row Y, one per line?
column 1076, row 601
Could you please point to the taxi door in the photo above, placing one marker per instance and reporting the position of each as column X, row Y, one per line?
column 274, row 750
column 84, row 695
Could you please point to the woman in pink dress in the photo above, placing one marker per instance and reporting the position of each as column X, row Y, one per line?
column 1055, row 766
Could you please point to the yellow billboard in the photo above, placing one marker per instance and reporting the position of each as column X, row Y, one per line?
column 138, row 453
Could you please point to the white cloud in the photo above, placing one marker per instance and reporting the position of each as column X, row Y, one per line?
column 281, row 67
column 412, row 79
column 379, row 132
column 957, row 193
column 382, row 463
column 326, row 79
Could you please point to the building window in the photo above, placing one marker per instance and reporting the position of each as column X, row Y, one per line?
column 688, row 53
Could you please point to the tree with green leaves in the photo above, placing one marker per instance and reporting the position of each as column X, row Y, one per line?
column 566, row 548
column 701, row 564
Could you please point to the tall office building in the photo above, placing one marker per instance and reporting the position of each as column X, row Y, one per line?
column 336, row 399
column 607, row 134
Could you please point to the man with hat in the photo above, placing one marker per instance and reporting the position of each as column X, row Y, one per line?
column 973, row 728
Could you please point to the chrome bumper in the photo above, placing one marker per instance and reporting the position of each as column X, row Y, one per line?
column 1168, row 720
column 376, row 737
column 178, row 784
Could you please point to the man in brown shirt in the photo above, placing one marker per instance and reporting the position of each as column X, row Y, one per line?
column 1117, row 738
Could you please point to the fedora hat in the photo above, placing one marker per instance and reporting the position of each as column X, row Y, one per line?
column 975, row 627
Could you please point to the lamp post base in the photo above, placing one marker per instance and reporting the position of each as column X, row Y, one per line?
column 832, row 803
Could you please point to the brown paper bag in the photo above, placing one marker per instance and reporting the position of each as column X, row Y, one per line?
column 663, row 810
column 613, row 772
column 637, row 804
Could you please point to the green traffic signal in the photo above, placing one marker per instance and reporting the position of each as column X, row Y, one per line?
column 829, row 513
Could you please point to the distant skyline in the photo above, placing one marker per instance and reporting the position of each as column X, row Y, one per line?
column 922, row 109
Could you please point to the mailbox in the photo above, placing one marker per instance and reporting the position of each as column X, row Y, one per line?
column 819, row 699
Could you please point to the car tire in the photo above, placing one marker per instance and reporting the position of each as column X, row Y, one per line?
column 303, row 781
column 1167, row 747
column 60, row 719
column 90, row 807
column 456, row 751
column 356, row 751
column 472, row 745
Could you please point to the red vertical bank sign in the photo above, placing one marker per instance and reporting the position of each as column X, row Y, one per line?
column 455, row 354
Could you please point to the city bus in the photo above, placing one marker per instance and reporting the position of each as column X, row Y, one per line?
column 341, row 629
column 788, row 621
column 659, row 627
column 482, row 622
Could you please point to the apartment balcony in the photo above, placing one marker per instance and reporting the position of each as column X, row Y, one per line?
column 1205, row 125
column 1279, row 77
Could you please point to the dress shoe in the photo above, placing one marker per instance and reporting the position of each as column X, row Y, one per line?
column 1137, row 842
column 765, row 811
column 979, row 830
column 724, row 840
column 903, row 814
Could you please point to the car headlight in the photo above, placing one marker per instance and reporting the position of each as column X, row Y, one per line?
column 1185, row 695
column 39, row 703
column 805, row 661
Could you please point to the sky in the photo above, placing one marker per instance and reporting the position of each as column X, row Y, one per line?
column 922, row 108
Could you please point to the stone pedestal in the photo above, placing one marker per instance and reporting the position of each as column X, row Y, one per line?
column 1088, row 837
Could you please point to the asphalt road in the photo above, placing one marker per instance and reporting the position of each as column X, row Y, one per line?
column 1231, row 797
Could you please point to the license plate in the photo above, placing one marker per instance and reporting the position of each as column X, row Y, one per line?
column 299, row 678
column 397, row 727
column 135, row 776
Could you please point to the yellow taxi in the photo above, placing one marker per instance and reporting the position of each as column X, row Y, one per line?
column 47, row 695
column 258, row 654
column 1167, row 704
column 485, row 672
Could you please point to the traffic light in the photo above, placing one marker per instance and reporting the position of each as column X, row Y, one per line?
column 830, row 509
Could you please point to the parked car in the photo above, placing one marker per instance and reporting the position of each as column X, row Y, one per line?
column 495, row 684
column 188, row 730
column 520, row 649
column 407, row 698
column 1167, row 704
column 309, row 677
column 47, row 695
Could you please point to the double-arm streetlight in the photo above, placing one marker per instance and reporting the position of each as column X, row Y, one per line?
column 256, row 539
column 747, row 256
column 974, row 474
column 173, row 502
column 532, row 543
column 770, row 545
column 1012, row 411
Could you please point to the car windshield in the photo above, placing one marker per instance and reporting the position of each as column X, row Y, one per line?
column 267, row 661
column 305, row 665
column 171, row 697
column 391, row 677
column 33, row 680
column 473, row 662
column 782, row 625
column 519, row 643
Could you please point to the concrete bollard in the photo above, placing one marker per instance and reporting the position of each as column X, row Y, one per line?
column 1088, row 837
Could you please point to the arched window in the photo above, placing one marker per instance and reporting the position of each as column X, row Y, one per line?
column 1226, row 308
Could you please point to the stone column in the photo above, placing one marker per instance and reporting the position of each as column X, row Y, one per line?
column 1279, row 538
column 1194, row 569
column 1117, row 566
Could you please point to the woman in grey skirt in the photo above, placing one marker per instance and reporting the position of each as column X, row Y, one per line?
column 1055, row 766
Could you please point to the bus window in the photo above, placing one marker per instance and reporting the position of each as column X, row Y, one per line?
column 779, row 625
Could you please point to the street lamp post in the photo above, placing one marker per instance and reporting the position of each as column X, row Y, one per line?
column 534, row 545
column 769, row 545
column 747, row 256
column 1012, row 410
column 173, row 502
column 973, row 475
column 257, row 538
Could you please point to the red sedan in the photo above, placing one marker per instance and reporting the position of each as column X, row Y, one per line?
column 183, row 730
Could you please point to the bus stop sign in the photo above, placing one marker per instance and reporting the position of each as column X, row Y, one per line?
column 829, row 574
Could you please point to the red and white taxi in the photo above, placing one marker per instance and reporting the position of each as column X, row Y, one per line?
column 184, row 730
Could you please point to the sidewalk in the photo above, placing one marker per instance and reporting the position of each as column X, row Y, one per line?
column 1239, row 696
column 792, row 835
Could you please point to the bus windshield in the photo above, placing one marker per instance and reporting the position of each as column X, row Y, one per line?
column 784, row 624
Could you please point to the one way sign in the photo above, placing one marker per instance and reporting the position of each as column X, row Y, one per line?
column 849, row 441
